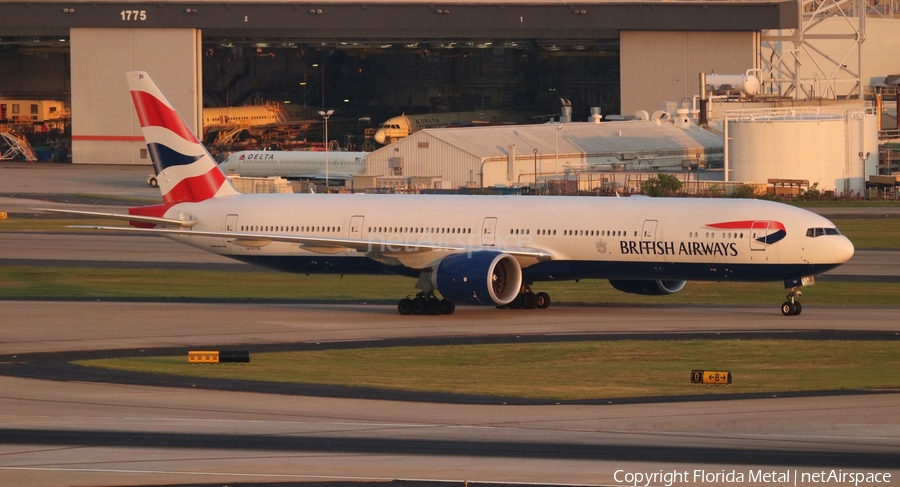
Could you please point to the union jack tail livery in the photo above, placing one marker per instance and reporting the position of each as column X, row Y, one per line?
column 186, row 172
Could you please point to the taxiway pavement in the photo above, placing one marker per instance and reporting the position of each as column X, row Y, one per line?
column 82, row 433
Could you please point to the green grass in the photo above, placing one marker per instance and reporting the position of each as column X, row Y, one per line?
column 841, row 202
column 871, row 233
column 569, row 370
column 27, row 282
column 92, row 282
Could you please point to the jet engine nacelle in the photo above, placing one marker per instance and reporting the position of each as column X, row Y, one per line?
column 648, row 288
column 484, row 277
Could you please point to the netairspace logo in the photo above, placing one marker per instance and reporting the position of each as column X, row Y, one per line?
column 786, row 477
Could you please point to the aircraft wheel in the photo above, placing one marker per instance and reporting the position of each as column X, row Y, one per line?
column 529, row 301
column 434, row 307
column 419, row 306
column 154, row 183
column 797, row 308
column 405, row 306
column 447, row 307
column 543, row 300
column 787, row 308
column 516, row 303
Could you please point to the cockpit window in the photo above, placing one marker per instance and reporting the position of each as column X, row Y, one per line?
column 818, row 232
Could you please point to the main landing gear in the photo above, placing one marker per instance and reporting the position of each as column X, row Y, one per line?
column 792, row 306
column 527, row 299
column 425, row 304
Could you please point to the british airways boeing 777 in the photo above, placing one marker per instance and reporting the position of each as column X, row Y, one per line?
column 482, row 250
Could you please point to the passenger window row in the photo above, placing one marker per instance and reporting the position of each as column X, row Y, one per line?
column 452, row 230
column 724, row 235
column 597, row 233
column 291, row 228
column 572, row 233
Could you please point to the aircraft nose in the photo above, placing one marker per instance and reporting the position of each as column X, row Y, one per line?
column 843, row 249
column 379, row 136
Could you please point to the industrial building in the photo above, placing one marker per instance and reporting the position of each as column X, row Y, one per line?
column 832, row 148
column 519, row 155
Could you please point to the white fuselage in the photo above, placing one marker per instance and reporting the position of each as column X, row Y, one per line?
column 294, row 164
column 620, row 238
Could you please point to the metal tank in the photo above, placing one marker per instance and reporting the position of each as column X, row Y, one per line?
column 745, row 84
column 832, row 150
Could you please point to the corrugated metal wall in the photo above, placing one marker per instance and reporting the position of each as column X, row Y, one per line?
column 426, row 155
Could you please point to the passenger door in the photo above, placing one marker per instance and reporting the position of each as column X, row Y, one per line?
column 488, row 232
column 356, row 226
column 648, row 234
column 231, row 223
column 758, row 230
column 230, row 226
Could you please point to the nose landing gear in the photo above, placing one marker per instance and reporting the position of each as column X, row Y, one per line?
column 792, row 306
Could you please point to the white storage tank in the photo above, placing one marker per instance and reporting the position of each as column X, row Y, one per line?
column 738, row 84
column 831, row 149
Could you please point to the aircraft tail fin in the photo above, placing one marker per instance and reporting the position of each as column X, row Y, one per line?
column 186, row 172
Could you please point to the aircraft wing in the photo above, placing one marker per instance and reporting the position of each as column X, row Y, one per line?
column 118, row 216
column 329, row 244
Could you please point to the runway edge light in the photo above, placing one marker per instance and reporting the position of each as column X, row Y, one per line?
column 716, row 377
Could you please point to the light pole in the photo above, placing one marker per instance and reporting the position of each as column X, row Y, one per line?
column 535, row 171
column 556, row 159
column 698, row 174
column 325, row 115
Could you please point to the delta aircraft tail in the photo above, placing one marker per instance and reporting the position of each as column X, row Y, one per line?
column 186, row 172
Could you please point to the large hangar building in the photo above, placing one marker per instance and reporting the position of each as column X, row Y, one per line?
column 356, row 57
column 519, row 155
column 376, row 59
